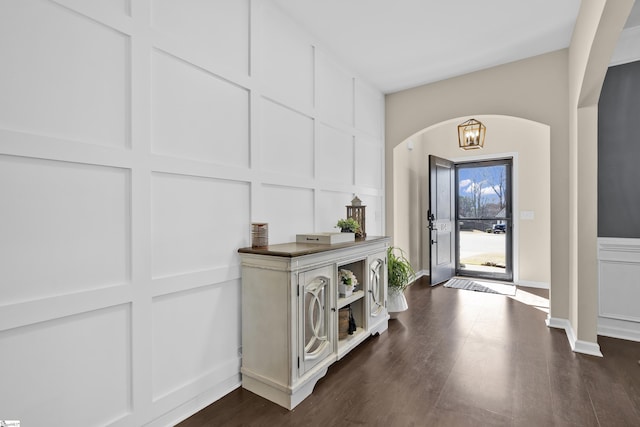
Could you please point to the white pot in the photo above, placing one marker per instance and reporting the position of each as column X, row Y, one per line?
column 344, row 290
column 396, row 303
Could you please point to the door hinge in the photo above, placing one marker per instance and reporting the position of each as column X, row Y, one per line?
column 298, row 290
column 298, row 363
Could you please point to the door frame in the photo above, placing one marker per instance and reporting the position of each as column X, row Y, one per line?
column 515, row 181
column 508, row 275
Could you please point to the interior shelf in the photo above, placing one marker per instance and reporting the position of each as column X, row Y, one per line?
column 346, row 344
column 342, row 302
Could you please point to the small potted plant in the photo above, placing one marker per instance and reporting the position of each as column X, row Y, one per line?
column 400, row 275
column 348, row 282
column 349, row 225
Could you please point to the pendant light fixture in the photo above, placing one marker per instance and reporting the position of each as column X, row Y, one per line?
column 471, row 134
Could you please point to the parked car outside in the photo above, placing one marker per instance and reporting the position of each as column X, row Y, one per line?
column 499, row 228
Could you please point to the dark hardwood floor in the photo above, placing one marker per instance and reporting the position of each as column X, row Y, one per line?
column 460, row 358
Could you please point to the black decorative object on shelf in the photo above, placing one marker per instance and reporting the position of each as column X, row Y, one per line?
column 352, row 322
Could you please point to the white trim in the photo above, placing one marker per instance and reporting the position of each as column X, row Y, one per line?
column 577, row 346
column 616, row 318
column 422, row 273
column 198, row 403
column 607, row 245
column 587, row 347
column 530, row 284
column 556, row 322
column 419, row 274
column 629, row 331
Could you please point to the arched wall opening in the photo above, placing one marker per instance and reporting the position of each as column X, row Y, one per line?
column 526, row 141
column 561, row 90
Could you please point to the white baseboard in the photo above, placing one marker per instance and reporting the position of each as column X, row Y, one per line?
column 587, row 347
column 555, row 322
column 198, row 403
column 578, row 346
column 529, row 284
column 422, row 273
column 618, row 287
column 621, row 329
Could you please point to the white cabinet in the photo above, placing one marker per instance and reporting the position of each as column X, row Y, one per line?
column 377, row 291
column 291, row 312
column 315, row 335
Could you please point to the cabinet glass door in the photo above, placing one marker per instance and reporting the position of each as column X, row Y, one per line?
column 315, row 311
column 377, row 285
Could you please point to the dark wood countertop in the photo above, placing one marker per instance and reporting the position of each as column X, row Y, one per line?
column 293, row 249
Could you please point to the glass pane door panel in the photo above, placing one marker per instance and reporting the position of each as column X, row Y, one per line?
column 484, row 218
column 483, row 251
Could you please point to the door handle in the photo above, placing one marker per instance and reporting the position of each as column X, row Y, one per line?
column 431, row 226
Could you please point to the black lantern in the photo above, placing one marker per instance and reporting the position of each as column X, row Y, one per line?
column 357, row 211
column 471, row 134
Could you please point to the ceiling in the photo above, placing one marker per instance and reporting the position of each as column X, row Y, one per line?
column 398, row 44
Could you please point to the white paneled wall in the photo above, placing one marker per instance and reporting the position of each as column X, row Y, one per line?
column 197, row 115
column 138, row 141
column 335, row 155
column 619, row 288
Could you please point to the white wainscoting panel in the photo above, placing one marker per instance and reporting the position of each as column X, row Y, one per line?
column 138, row 141
column 183, row 326
column 335, row 155
column 100, row 7
column 290, row 211
column 54, row 82
column 218, row 29
column 185, row 238
column 65, row 228
column 369, row 164
column 369, row 106
column 197, row 115
column 619, row 287
column 286, row 149
column 334, row 90
column 285, row 63
column 79, row 370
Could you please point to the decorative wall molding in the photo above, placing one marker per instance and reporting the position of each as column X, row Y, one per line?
column 138, row 141
column 612, row 245
column 619, row 329
column 619, row 288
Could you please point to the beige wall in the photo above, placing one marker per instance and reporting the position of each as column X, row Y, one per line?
column 559, row 89
column 529, row 145
column 533, row 89
column 595, row 36
column 408, row 193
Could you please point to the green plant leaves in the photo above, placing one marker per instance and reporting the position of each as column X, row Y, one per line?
column 399, row 269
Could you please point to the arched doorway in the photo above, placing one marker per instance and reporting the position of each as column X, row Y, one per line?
column 527, row 142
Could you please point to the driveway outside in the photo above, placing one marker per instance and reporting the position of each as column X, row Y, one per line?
column 482, row 251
